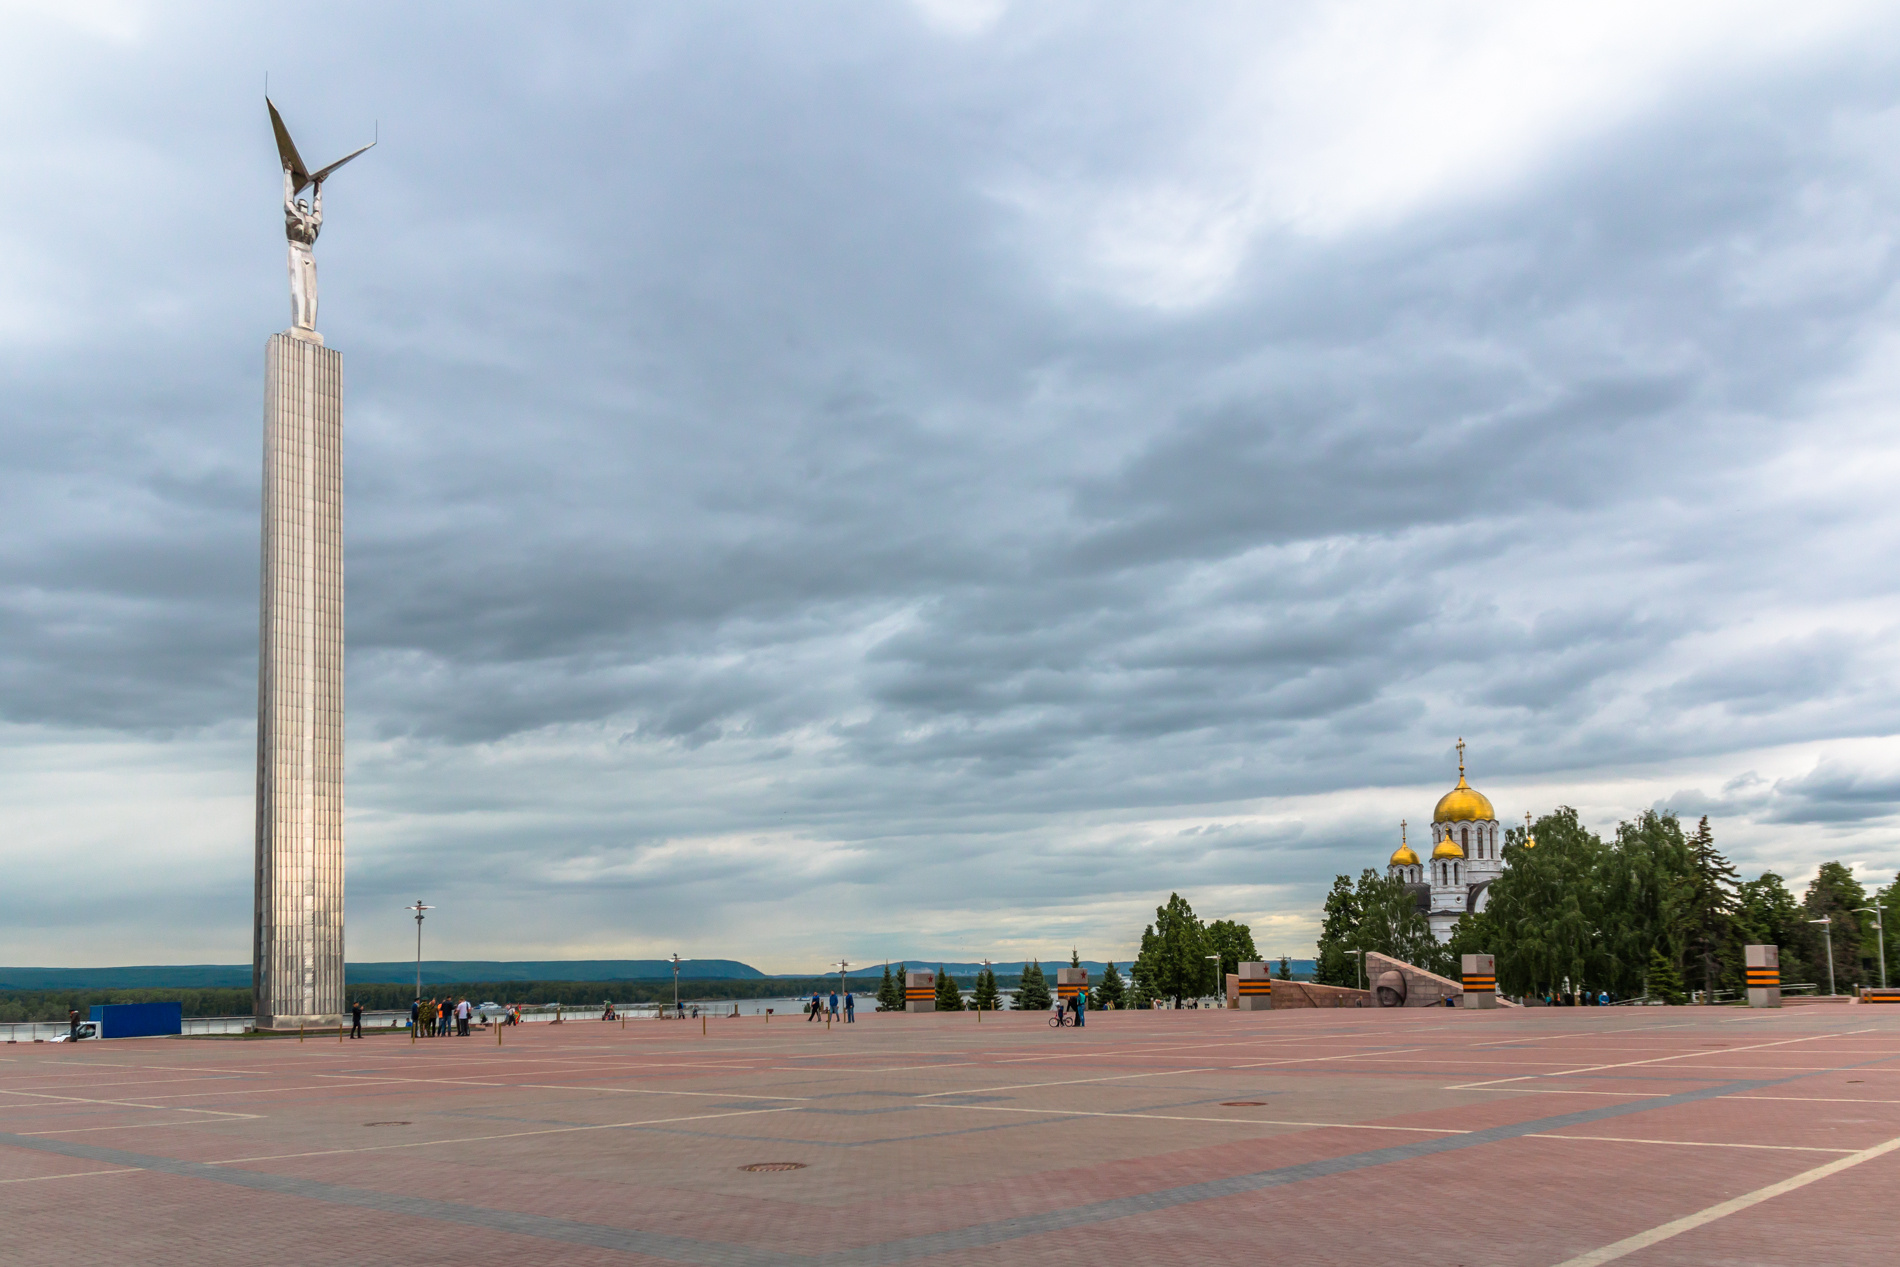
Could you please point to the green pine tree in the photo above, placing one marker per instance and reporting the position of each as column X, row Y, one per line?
column 1335, row 966
column 1286, row 967
column 890, row 994
column 1111, row 992
column 949, row 998
column 1032, row 994
column 1075, row 958
column 1665, row 982
column 986, row 997
column 1712, row 908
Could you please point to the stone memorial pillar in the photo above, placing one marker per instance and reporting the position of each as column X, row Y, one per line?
column 1481, row 981
column 1071, row 982
column 920, row 991
column 1255, row 988
column 1762, row 966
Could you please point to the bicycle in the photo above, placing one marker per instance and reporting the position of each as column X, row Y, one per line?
column 1060, row 1019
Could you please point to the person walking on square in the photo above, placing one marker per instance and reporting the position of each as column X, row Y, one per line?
column 817, row 1007
column 72, row 1024
column 1081, row 1008
column 415, row 1014
column 356, row 1019
column 850, row 1009
column 834, row 1005
column 461, row 1017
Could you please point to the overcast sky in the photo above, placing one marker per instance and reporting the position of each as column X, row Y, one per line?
column 879, row 480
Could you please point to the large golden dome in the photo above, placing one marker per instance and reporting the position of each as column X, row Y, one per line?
column 1463, row 804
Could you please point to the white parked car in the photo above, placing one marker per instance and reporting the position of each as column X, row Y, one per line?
column 87, row 1029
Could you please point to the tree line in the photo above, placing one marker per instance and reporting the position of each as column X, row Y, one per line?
column 1655, row 910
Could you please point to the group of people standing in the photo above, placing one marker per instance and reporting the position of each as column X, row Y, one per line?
column 816, row 1010
column 438, row 1018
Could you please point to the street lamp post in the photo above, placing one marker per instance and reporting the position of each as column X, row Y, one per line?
column 1827, row 931
column 1359, row 969
column 418, row 908
column 1880, row 936
column 842, row 965
column 676, row 985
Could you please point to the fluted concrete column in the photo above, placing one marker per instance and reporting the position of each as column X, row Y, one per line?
column 297, row 966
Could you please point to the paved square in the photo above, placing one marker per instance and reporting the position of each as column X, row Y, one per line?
column 1537, row 1136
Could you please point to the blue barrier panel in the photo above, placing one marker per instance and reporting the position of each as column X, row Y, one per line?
column 138, row 1020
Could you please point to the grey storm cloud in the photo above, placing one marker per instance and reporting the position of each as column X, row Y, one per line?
column 738, row 455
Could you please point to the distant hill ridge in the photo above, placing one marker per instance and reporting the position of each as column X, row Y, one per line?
column 209, row 976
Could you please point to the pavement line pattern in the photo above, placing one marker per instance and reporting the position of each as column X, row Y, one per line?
column 480, row 1139
column 719, row 1254
column 76, row 1174
column 1653, row 1060
column 1689, row 1222
column 1224, row 1121
column 1163, row 1073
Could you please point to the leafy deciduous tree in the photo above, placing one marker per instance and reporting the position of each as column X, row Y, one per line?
column 1834, row 895
column 1173, row 963
column 1233, row 942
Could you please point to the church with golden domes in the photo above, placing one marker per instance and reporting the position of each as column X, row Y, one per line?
column 1464, row 861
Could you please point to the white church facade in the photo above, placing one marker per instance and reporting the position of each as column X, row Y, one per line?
column 1465, row 857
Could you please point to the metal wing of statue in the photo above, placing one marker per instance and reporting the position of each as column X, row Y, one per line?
column 287, row 148
column 293, row 161
column 318, row 177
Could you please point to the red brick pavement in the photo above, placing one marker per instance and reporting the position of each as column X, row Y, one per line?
column 602, row 1144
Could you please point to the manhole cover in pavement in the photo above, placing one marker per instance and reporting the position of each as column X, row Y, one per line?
column 388, row 1123
column 758, row 1167
column 1243, row 1104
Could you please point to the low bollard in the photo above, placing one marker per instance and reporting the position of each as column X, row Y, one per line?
column 1253, row 989
column 300, row 1031
column 1761, row 969
column 1480, row 976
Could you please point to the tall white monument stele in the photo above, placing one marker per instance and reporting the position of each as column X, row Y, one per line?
column 297, row 964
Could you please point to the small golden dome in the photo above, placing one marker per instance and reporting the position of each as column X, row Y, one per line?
column 1447, row 848
column 1403, row 855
